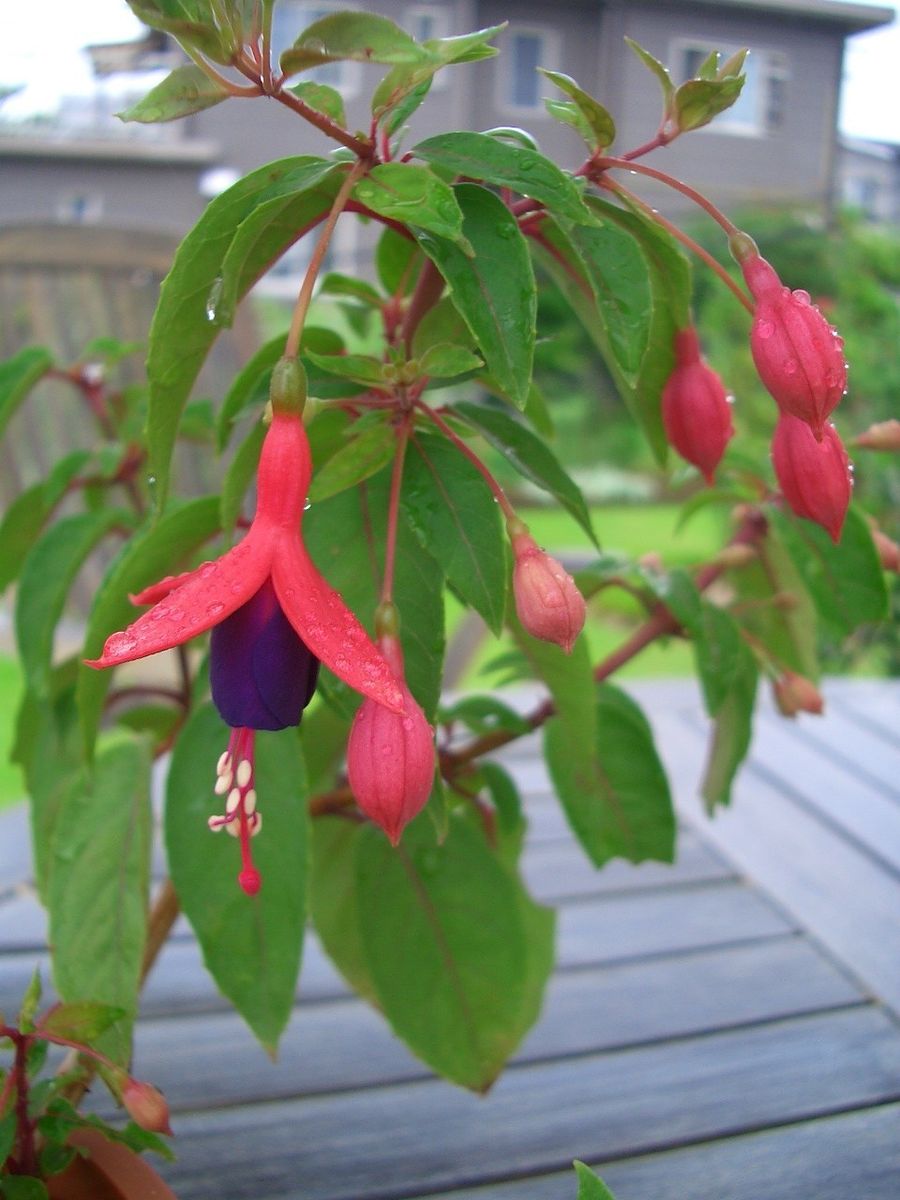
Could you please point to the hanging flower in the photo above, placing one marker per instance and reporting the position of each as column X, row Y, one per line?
column 273, row 617
column 548, row 602
column 815, row 477
column 696, row 413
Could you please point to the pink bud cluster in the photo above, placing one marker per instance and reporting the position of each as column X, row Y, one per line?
column 800, row 359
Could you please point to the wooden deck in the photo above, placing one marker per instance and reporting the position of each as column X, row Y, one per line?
column 724, row 1029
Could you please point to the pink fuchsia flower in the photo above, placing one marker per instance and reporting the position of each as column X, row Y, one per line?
column 799, row 356
column 696, row 413
column 794, row 693
column 146, row 1106
column 548, row 603
column 274, row 618
column 390, row 757
column 814, row 476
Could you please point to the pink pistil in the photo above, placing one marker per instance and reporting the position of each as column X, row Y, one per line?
column 234, row 780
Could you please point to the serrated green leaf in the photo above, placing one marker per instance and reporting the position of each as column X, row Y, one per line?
column 47, row 576
column 151, row 553
column 494, row 291
column 98, row 887
column 18, row 375
column 845, row 581
column 83, row 1021
column 623, row 809
column 699, row 100
column 322, row 98
column 358, row 36
column 529, row 455
column 457, row 521
column 482, row 157
column 186, row 90
column 354, row 462
column 414, row 195
column 251, row 945
column 446, row 943
column 732, row 732
column 590, row 1187
column 182, row 333
column 598, row 120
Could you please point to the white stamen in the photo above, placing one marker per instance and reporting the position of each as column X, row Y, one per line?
column 255, row 824
column 250, row 802
column 234, row 828
column 224, row 759
column 223, row 783
column 215, row 824
column 244, row 773
column 234, row 799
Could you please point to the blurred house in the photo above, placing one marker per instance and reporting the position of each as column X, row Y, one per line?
column 869, row 178
column 777, row 144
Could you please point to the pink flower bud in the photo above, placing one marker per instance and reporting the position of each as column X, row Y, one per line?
column 548, row 603
column 888, row 551
column 885, row 435
column 695, row 409
column 814, row 476
column 390, row 756
column 793, row 693
column 799, row 356
column 146, row 1106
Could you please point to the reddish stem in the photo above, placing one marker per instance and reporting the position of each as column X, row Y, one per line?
column 26, row 1154
column 604, row 164
column 499, row 494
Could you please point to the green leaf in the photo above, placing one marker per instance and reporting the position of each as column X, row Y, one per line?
column 529, row 455
column 240, row 474
column 8, row 1127
column 494, row 291
column 150, row 554
column 189, row 23
column 18, row 375
column 395, row 258
column 699, row 100
column 358, row 36
column 568, row 112
column 336, row 284
column 411, row 81
column 182, row 332
column 186, row 90
column 485, row 714
column 845, row 581
column 361, row 368
column 26, row 516
column 334, row 900
column 624, row 809
column 414, row 195
column 22, row 1187
column 47, row 576
column 322, row 98
column 482, row 157
column 99, row 880
column 656, row 67
column 251, row 945
column 590, row 1187
column 596, row 117
column 84, row 1021
column 457, row 520
column 30, row 1001
column 360, row 458
column 732, row 732
column 345, row 536
column 292, row 204
column 441, row 326
column 444, row 933
column 445, row 361
column 250, row 386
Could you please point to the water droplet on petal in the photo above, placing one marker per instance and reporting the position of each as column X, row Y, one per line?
column 802, row 297
column 208, row 569
column 214, row 609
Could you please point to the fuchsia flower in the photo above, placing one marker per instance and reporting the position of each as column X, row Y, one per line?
column 794, row 693
column 390, row 757
column 273, row 617
column 814, row 476
column 799, row 356
column 696, row 413
column 548, row 603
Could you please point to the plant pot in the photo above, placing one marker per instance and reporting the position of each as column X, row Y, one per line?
column 111, row 1172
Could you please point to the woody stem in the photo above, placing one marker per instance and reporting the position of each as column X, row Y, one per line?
column 292, row 345
column 499, row 494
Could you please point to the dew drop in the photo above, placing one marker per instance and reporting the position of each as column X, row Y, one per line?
column 212, row 300
column 207, row 570
column 176, row 614
column 121, row 643
column 159, row 613
column 214, row 609
column 802, row 297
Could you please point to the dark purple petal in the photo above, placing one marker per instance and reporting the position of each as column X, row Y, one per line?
column 261, row 674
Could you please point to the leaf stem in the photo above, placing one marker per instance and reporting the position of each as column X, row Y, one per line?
column 292, row 345
column 499, row 494
column 603, row 164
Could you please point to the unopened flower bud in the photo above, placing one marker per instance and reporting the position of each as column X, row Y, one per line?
column 885, row 435
column 390, row 756
column 735, row 556
column 548, row 603
column 814, row 476
column 146, row 1106
column 794, row 693
column 695, row 410
column 888, row 551
column 799, row 356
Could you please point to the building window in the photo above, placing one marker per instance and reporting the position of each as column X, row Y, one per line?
column 524, row 50
column 761, row 107
column 289, row 20
column 79, row 208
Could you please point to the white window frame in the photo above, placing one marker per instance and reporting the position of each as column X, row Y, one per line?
column 550, row 57
column 302, row 13
column 772, row 64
